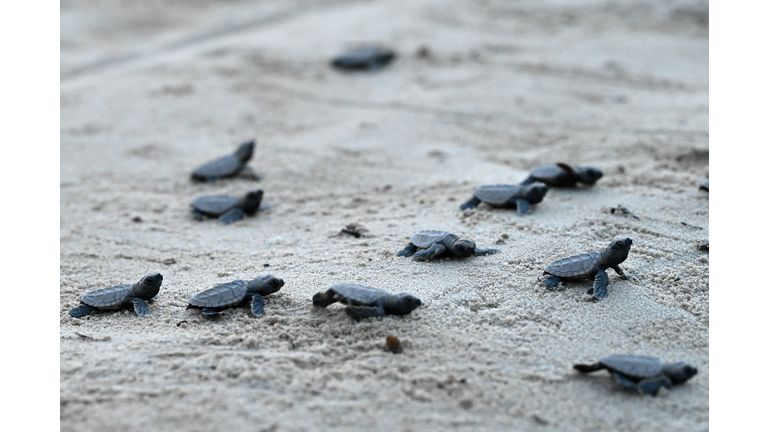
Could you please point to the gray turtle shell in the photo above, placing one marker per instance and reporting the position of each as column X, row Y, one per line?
column 358, row 295
column 226, row 166
column 425, row 239
column 583, row 265
column 107, row 297
column 223, row 167
column 553, row 173
column 636, row 367
column 214, row 205
column 226, row 295
column 499, row 194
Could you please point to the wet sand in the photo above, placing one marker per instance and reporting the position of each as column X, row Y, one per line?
column 479, row 94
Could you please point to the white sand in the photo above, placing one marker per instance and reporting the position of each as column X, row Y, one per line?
column 149, row 93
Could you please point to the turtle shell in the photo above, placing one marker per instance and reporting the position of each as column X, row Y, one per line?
column 223, row 167
column 221, row 296
column 214, row 204
column 636, row 367
column 574, row 266
column 357, row 294
column 107, row 297
column 553, row 173
column 425, row 239
column 498, row 194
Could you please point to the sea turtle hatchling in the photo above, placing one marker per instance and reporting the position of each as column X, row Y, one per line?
column 364, row 59
column 508, row 196
column 563, row 175
column 590, row 265
column 365, row 302
column 236, row 293
column 121, row 297
column 648, row 374
column 704, row 186
column 226, row 208
column 228, row 166
column 435, row 243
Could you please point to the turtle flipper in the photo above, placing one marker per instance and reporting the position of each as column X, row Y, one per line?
column 81, row 311
column 474, row 202
column 430, row 253
column 139, row 305
column 232, row 215
column 585, row 368
column 652, row 386
column 198, row 215
column 523, row 206
column 623, row 380
column 527, row 181
column 408, row 251
column 257, row 305
column 365, row 311
column 210, row 312
column 551, row 281
column 249, row 172
column 600, row 287
column 621, row 273
column 569, row 169
column 486, row 251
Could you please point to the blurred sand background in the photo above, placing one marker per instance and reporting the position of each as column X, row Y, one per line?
column 480, row 93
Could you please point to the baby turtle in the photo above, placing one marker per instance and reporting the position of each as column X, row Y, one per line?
column 563, row 175
column 227, row 208
column 121, row 297
column 228, row 166
column 437, row 243
column 647, row 374
column 704, row 185
column 367, row 59
column 236, row 293
column 365, row 302
column 590, row 265
column 508, row 196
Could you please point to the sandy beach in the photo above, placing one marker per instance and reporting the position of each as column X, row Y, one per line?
column 479, row 93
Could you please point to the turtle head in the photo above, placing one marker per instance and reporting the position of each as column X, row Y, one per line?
column 679, row 372
column 618, row 250
column 149, row 285
column 406, row 303
column 244, row 153
column 535, row 192
column 252, row 201
column 463, row 248
column 589, row 175
column 267, row 284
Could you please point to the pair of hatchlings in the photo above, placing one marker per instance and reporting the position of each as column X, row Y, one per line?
column 533, row 189
column 592, row 265
column 227, row 209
